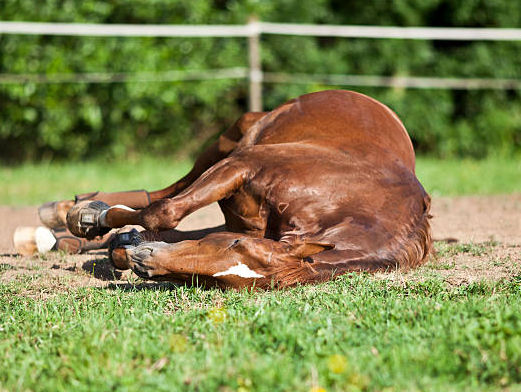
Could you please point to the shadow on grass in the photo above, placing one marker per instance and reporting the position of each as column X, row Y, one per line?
column 153, row 286
column 101, row 269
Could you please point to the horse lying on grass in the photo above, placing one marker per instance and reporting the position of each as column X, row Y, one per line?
column 320, row 186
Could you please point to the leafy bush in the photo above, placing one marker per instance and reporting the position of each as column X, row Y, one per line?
column 78, row 120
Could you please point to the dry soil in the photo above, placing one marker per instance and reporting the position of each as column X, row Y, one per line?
column 478, row 238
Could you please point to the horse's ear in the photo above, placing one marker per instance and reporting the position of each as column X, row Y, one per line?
column 305, row 249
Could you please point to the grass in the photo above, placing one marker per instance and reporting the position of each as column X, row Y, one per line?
column 444, row 249
column 31, row 184
column 358, row 333
column 355, row 334
column 450, row 177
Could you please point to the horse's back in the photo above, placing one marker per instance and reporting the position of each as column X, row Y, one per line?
column 344, row 120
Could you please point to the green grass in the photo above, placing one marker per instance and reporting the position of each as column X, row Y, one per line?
column 354, row 334
column 357, row 333
column 38, row 183
column 30, row 184
column 451, row 177
column 444, row 249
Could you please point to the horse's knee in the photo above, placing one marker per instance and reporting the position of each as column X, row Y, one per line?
column 163, row 214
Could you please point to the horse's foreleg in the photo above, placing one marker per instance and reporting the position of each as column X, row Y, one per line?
column 218, row 182
column 54, row 214
column 217, row 151
column 227, row 260
column 117, row 249
column 89, row 219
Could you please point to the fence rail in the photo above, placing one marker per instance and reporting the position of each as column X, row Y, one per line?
column 125, row 30
column 123, row 77
column 256, row 77
column 256, row 28
column 267, row 77
column 395, row 81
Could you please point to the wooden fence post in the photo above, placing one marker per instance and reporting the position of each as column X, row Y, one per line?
column 255, row 74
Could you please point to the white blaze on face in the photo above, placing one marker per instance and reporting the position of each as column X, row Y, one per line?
column 241, row 270
column 103, row 215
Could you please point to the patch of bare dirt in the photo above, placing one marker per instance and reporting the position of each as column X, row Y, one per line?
column 478, row 218
column 42, row 276
column 461, row 264
column 484, row 235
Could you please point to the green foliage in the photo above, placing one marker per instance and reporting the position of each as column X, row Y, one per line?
column 79, row 120
column 353, row 334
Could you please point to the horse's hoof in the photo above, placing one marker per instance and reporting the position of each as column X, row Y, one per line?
column 54, row 214
column 83, row 219
column 30, row 240
column 117, row 252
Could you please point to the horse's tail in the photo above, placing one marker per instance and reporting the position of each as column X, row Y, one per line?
column 413, row 249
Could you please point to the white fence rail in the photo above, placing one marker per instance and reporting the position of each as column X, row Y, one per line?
column 126, row 30
column 123, row 77
column 256, row 28
column 394, row 81
column 252, row 31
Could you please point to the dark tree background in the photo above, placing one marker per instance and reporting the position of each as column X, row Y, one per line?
column 75, row 121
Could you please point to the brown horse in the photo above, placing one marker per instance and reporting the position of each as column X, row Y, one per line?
column 320, row 186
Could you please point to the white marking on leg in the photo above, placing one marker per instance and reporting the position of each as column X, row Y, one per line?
column 121, row 206
column 103, row 215
column 44, row 238
column 241, row 270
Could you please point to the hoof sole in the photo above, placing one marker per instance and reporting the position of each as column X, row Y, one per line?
column 50, row 215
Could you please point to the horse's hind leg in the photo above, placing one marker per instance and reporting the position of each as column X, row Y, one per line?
column 217, row 151
column 30, row 240
column 53, row 214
